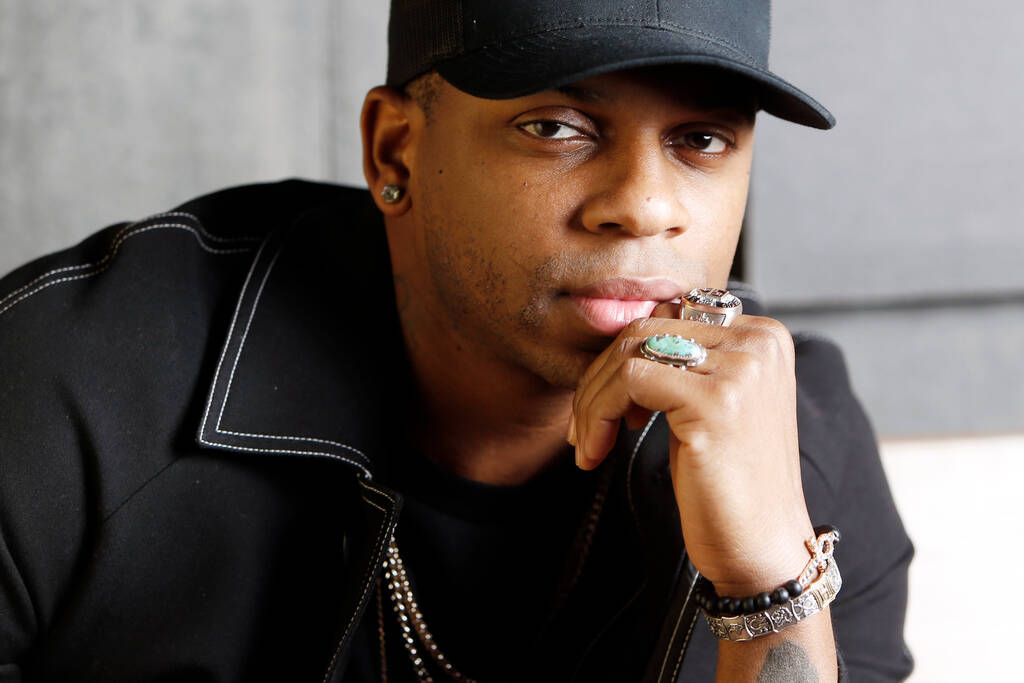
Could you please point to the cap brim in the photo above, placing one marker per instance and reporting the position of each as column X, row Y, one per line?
column 555, row 58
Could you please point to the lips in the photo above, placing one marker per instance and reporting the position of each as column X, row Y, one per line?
column 609, row 305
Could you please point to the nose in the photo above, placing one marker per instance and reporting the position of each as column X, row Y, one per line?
column 640, row 193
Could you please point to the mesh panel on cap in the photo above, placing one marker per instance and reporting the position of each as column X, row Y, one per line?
column 420, row 34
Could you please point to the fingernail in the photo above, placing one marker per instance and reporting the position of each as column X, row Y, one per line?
column 571, row 436
column 579, row 460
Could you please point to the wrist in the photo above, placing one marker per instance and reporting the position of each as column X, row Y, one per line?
column 762, row 574
column 762, row 566
column 787, row 602
column 759, row 555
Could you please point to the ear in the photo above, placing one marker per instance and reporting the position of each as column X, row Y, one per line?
column 389, row 122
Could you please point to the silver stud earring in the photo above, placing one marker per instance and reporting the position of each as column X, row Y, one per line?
column 391, row 193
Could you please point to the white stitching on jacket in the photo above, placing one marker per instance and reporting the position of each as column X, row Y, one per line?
column 369, row 571
column 200, row 233
column 234, row 367
column 686, row 641
column 105, row 263
column 675, row 630
column 284, row 451
column 117, row 240
column 231, row 378
column 632, row 461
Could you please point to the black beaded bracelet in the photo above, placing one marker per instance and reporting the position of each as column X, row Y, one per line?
column 712, row 603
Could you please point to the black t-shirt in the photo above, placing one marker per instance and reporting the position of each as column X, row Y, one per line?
column 487, row 564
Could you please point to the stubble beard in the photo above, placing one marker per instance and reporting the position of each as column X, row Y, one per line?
column 475, row 296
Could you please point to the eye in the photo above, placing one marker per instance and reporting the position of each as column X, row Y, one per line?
column 550, row 130
column 708, row 143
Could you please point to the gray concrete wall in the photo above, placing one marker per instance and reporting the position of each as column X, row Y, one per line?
column 883, row 233
column 111, row 109
column 890, row 232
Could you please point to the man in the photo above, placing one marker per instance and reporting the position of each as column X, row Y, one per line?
column 381, row 487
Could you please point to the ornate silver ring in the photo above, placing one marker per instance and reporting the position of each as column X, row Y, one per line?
column 711, row 306
column 673, row 349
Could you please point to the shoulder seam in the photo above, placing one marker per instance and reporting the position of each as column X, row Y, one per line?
column 206, row 241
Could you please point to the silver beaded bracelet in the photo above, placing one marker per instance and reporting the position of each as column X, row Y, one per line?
column 819, row 594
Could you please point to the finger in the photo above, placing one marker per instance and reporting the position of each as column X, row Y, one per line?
column 595, row 438
column 627, row 345
column 640, row 383
column 661, row 322
column 667, row 309
column 744, row 330
column 623, row 346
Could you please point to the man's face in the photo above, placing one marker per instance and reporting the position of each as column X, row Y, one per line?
column 543, row 224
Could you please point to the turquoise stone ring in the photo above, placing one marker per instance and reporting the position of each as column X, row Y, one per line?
column 672, row 349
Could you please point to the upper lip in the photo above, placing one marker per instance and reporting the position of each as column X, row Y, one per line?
column 631, row 289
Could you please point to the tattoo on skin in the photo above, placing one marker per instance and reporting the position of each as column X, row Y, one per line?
column 787, row 662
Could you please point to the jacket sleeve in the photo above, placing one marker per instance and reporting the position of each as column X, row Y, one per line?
column 44, row 466
column 845, row 485
column 16, row 617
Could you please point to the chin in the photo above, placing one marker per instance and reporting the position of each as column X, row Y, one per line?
column 565, row 371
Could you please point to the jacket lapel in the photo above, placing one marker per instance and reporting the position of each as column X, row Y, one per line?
column 313, row 364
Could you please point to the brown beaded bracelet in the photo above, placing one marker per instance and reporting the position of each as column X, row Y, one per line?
column 820, row 547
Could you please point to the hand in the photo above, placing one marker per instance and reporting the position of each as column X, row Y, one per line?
column 734, row 455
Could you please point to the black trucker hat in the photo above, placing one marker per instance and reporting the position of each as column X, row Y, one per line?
column 499, row 49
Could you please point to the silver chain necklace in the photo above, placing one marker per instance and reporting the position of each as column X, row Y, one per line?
column 419, row 642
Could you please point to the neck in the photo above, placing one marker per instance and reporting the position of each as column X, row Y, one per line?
column 482, row 418
column 489, row 428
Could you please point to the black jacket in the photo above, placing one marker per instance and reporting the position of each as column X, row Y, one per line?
column 189, row 435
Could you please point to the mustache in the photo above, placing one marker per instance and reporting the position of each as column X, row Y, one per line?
column 572, row 271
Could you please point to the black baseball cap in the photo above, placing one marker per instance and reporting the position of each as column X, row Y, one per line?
column 498, row 49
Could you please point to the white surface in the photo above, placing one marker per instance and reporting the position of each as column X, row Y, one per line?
column 960, row 501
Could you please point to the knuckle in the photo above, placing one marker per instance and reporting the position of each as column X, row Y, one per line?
column 760, row 336
column 624, row 346
column 633, row 369
column 747, row 367
column 769, row 337
column 641, row 327
column 745, row 361
column 729, row 395
column 694, row 441
column 778, row 332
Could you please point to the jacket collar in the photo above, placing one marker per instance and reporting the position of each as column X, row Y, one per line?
column 313, row 363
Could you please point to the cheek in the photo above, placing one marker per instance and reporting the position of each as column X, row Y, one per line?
column 716, row 215
column 512, row 218
column 476, row 243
